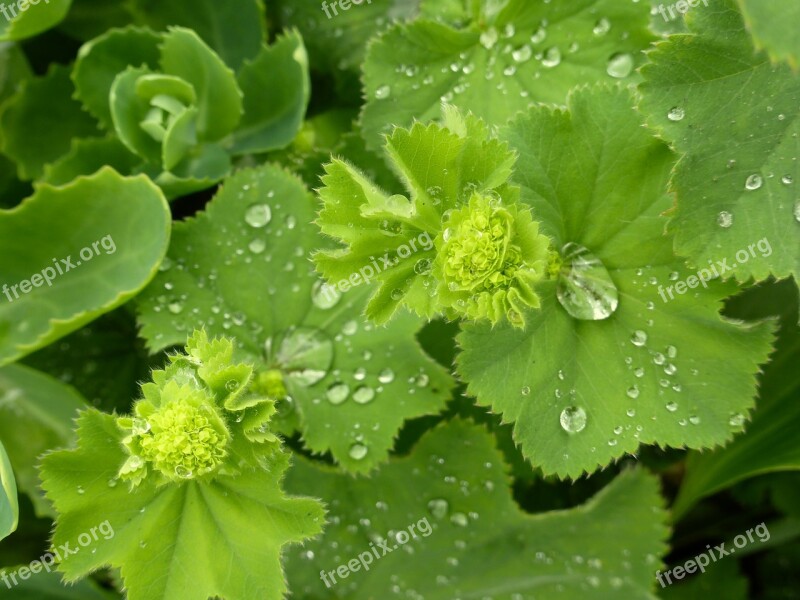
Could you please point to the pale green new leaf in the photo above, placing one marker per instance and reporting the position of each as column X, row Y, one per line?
column 512, row 55
column 192, row 540
column 658, row 370
column 276, row 88
column 241, row 268
column 469, row 538
column 9, row 506
column 122, row 226
column 733, row 114
column 36, row 415
column 773, row 26
column 41, row 120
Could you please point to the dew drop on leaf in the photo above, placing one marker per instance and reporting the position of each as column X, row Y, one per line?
column 585, row 288
column 552, row 57
column 258, row 215
column 383, row 92
column 386, row 376
column 337, row 392
column 325, row 296
column 573, row 419
column 459, row 519
column 358, row 451
column 671, row 406
column 363, row 394
column 724, row 219
column 676, row 114
column 438, row 507
column 305, row 355
column 620, row 65
column 753, row 182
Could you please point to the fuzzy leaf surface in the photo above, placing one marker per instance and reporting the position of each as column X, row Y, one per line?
column 661, row 371
column 472, row 540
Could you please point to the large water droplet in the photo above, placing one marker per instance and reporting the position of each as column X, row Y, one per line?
column 620, row 65
column 753, row 182
column 639, row 338
column 325, row 296
column 585, row 288
column 363, row 395
column 305, row 356
column 489, row 38
column 386, row 376
column 383, row 92
column 522, row 54
column 602, row 27
column 358, row 451
column 258, row 215
column 573, row 419
column 337, row 392
column 676, row 113
column 552, row 57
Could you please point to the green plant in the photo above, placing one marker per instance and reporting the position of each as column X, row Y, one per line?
column 432, row 299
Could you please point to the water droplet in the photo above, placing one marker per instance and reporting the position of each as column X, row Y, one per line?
column 81, row 491
column 676, row 113
column 183, row 472
column 175, row 308
column 422, row 266
column 489, row 38
column 337, row 392
column 539, row 35
column 552, row 57
column 522, row 54
column 736, row 420
column 753, row 182
column 620, row 65
column 526, row 390
column 585, row 288
column 383, row 92
column 725, row 219
column 671, row 406
column 257, row 246
column 386, row 376
column 258, row 215
column 797, row 211
column 639, row 338
column 633, row 392
column 694, row 420
column 358, row 451
column 602, row 27
column 363, row 394
column 305, row 355
column 325, row 296
column 573, row 419
column 438, row 508
column 459, row 519
column 787, row 180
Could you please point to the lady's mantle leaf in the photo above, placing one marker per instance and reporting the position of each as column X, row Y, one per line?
column 657, row 369
column 734, row 115
column 9, row 507
column 240, row 268
column 469, row 538
column 511, row 55
column 773, row 26
column 160, row 495
column 89, row 247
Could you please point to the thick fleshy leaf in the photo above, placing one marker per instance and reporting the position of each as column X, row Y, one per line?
column 772, row 25
column 465, row 537
column 276, row 90
column 234, row 29
column 48, row 586
column 662, row 367
column 737, row 184
column 36, row 415
column 240, row 268
column 89, row 155
column 102, row 59
column 205, row 526
column 9, row 506
column 505, row 56
column 41, row 120
column 18, row 24
column 89, row 247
